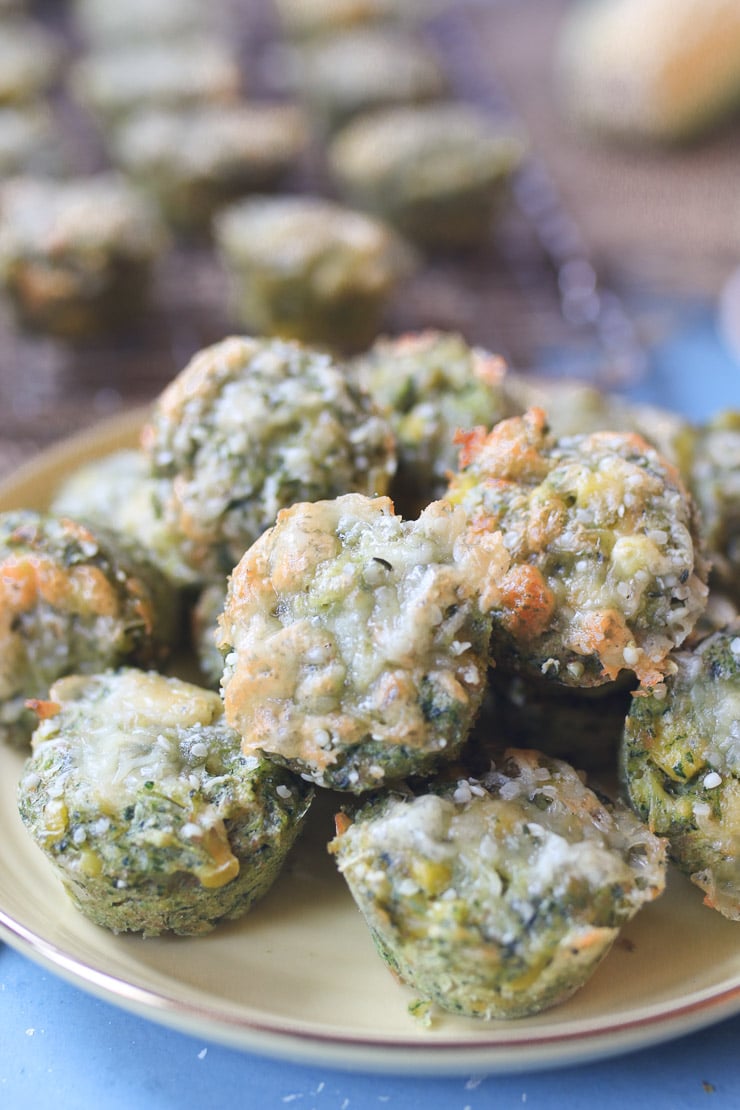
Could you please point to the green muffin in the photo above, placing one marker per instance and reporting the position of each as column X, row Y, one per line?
column 432, row 385
column 497, row 897
column 680, row 765
column 138, row 794
column 356, row 643
column 249, row 427
column 72, row 600
column 607, row 569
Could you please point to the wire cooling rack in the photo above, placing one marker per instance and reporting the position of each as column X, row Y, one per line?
column 530, row 292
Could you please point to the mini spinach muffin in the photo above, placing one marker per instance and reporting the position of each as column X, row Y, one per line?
column 713, row 464
column 250, row 426
column 103, row 24
column 118, row 492
column 196, row 160
column 153, row 819
column 341, row 75
column 184, row 72
column 431, row 384
column 607, row 572
column 437, row 172
column 76, row 254
column 497, row 897
column 30, row 141
column 355, row 642
column 680, row 764
column 30, row 60
column 305, row 268
column 71, row 600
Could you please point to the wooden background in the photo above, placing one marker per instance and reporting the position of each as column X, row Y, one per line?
column 655, row 226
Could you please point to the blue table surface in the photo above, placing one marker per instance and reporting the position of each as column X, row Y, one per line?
column 60, row 1047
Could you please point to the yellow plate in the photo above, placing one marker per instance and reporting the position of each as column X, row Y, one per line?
column 299, row 978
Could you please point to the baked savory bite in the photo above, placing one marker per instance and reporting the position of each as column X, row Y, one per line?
column 185, row 72
column 118, row 492
column 650, row 70
column 680, row 765
column 196, row 160
column 341, row 75
column 205, row 632
column 71, row 600
column 30, row 60
column 139, row 795
column 30, row 142
column 76, row 254
column 607, row 572
column 250, row 426
column 497, row 897
column 437, row 172
column 305, row 268
column 432, row 384
column 713, row 464
column 103, row 24
column 356, row 643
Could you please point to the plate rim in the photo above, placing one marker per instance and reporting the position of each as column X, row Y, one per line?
column 283, row 1039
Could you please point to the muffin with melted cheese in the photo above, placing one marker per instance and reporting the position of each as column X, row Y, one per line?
column 607, row 572
column 138, row 793
column 431, row 384
column 497, row 897
column 356, row 642
column 118, row 492
column 250, row 426
column 713, row 465
column 680, row 764
column 71, row 600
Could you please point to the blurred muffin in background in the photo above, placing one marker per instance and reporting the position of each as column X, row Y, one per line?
column 195, row 161
column 30, row 141
column 75, row 255
column 344, row 74
column 30, row 60
column 654, row 70
column 113, row 83
column 308, row 269
column 103, row 24
column 437, row 172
